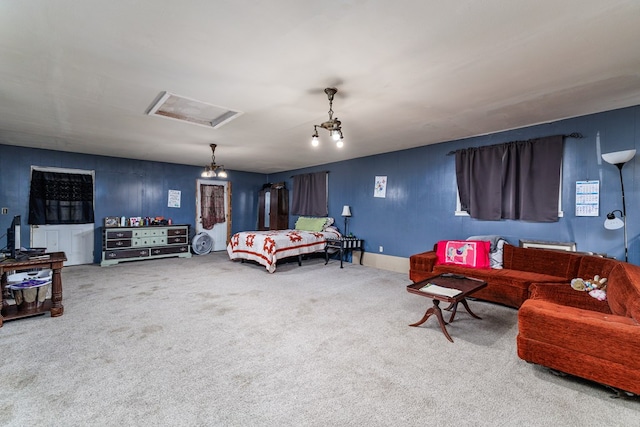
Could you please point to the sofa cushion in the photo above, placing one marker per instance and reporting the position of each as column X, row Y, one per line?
column 623, row 290
column 467, row 253
column 509, row 287
column 598, row 346
column 591, row 265
column 563, row 294
column 545, row 261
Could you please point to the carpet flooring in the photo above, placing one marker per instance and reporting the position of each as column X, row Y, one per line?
column 210, row 342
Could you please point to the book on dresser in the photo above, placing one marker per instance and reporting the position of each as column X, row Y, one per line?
column 149, row 242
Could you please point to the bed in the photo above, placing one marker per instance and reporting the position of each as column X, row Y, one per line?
column 267, row 247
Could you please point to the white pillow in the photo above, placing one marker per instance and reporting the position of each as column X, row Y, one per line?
column 496, row 257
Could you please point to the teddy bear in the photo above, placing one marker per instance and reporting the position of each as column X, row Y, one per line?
column 596, row 287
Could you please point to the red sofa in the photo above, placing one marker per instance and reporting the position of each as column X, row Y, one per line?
column 572, row 332
column 559, row 327
column 509, row 285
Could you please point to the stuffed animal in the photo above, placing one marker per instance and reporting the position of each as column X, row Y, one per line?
column 596, row 286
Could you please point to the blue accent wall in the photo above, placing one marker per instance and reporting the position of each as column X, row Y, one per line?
column 421, row 190
column 123, row 187
column 420, row 199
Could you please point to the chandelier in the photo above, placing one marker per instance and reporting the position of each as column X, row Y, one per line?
column 332, row 125
column 213, row 170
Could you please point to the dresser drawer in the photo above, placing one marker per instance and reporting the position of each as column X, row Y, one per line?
column 127, row 253
column 170, row 250
column 120, row 243
column 177, row 231
column 149, row 241
column 171, row 240
column 119, row 234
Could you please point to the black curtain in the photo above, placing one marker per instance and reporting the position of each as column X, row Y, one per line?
column 310, row 194
column 60, row 198
column 515, row 180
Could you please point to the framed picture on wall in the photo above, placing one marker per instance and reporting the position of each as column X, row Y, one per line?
column 111, row 221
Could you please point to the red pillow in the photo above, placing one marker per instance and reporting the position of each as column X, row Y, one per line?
column 466, row 253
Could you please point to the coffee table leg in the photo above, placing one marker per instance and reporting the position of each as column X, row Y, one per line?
column 435, row 310
column 466, row 306
column 454, row 308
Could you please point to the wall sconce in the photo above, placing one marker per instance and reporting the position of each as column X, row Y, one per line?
column 619, row 158
column 346, row 213
column 213, row 170
column 332, row 125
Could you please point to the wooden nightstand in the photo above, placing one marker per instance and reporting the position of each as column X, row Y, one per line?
column 344, row 244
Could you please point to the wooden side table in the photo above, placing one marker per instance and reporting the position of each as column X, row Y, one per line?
column 465, row 285
column 55, row 262
column 344, row 244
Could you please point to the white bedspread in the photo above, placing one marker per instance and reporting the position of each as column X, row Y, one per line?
column 267, row 247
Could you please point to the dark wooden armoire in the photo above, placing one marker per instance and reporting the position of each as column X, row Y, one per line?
column 273, row 207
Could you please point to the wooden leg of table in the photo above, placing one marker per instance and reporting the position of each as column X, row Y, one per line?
column 438, row 312
column 466, row 306
column 453, row 308
column 56, row 293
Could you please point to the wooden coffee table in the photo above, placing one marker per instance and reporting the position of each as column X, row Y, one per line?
column 445, row 282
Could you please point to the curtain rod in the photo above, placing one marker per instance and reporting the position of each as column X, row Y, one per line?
column 576, row 135
column 293, row 176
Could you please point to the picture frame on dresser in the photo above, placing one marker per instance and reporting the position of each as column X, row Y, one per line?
column 111, row 221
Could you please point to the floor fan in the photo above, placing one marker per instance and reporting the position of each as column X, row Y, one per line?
column 202, row 243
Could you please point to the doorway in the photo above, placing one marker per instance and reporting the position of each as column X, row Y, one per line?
column 215, row 225
column 75, row 240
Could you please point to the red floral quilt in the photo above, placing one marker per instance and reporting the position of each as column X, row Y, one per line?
column 267, row 247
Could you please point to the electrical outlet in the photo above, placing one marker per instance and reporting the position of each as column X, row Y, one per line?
column 5, row 211
column 381, row 249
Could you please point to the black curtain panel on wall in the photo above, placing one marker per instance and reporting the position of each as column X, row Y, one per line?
column 310, row 194
column 515, row 180
column 60, row 198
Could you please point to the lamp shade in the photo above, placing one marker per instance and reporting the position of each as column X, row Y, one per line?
column 613, row 222
column 346, row 210
column 618, row 157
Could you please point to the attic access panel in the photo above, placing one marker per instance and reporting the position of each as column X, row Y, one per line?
column 189, row 110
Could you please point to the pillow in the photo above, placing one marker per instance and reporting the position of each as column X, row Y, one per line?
column 495, row 251
column 496, row 257
column 306, row 223
column 466, row 253
column 329, row 222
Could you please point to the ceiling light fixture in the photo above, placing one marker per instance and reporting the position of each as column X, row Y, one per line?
column 213, row 170
column 332, row 125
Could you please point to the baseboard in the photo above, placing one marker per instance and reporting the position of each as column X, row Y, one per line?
column 383, row 262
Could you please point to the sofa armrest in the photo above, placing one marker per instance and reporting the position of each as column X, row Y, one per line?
column 564, row 294
column 421, row 265
column 424, row 261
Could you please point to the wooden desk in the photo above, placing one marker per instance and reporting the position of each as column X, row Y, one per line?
column 54, row 305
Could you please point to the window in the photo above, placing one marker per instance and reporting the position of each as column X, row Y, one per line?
column 516, row 180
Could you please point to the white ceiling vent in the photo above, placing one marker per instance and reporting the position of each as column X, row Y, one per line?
column 192, row 111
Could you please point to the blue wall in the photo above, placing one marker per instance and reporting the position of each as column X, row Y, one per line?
column 421, row 192
column 122, row 187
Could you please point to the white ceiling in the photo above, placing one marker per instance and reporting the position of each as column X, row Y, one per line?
column 80, row 75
